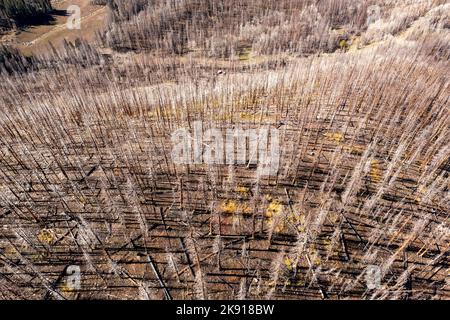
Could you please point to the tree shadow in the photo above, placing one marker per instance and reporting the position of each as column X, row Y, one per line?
column 42, row 19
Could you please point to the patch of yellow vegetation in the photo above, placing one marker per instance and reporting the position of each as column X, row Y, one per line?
column 343, row 45
column 274, row 209
column 222, row 117
column 47, row 236
column 10, row 251
column 247, row 116
column 315, row 257
column 328, row 245
column 233, row 207
column 334, row 136
column 317, row 261
column 289, row 263
column 293, row 219
column 375, row 171
column 37, row 257
column 255, row 117
column 167, row 113
column 298, row 220
column 243, row 190
column 273, row 213
column 229, row 206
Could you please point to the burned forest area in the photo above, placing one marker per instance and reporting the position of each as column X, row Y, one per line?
column 224, row 149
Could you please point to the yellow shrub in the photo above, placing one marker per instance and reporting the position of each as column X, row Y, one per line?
column 47, row 236
column 334, row 136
